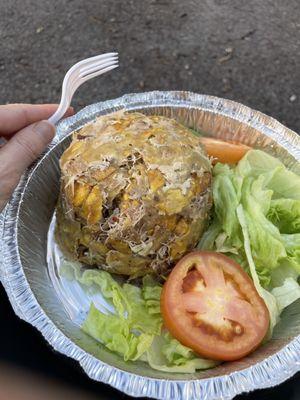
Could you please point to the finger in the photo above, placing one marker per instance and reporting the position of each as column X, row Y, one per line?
column 14, row 117
column 26, row 145
column 3, row 141
column 17, row 154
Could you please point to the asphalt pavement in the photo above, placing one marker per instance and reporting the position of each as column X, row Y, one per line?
column 238, row 49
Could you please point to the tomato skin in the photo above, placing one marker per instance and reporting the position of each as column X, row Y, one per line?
column 226, row 152
column 207, row 344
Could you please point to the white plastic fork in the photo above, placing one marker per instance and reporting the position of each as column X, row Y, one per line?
column 78, row 74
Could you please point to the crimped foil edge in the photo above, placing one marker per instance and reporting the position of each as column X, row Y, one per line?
column 271, row 371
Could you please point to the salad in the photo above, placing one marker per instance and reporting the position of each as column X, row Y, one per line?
column 221, row 261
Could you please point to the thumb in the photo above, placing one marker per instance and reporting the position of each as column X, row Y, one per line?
column 25, row 146
column 19, row 152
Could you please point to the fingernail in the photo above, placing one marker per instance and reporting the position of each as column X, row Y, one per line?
column 45, row 129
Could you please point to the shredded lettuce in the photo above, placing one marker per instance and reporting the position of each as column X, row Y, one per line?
column 283, row 183
column 269, row 299
column 285, row 214
column 287, row 293
column 130, row 330
column 292, row 245
column 280, row 274
column 257, row 223
column 116, row 333
column 168, row 355
column 134, row 328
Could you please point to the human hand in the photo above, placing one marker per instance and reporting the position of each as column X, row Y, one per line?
column 27, row 131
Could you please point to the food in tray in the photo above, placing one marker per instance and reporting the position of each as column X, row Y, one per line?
column 213, row 237
column 210, row 304
column 135, row 194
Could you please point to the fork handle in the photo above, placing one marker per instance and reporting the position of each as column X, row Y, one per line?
column 82, row 73
column 59, row 113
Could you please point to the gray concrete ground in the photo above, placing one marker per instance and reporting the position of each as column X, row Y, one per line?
column 246, row 50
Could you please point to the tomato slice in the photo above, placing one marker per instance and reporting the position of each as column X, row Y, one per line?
column 210, row 304
column 226, row 152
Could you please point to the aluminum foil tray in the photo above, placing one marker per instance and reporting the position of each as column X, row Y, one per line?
column 40, row 297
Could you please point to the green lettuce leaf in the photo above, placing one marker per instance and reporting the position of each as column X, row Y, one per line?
column 207, row 241
column 257, row 162
column 270, row 197
column 287, row 293
column 115, row 333
column 285, row 214
column 279, row 275
column 133, row 330
column 266, row 243
column 168, row 355
column 256, row 222
column 130, row 329
column 283, row 183
column 268, row 297
column 226, row 199
column 292, row 245
column 138, row 310
column 151, row 292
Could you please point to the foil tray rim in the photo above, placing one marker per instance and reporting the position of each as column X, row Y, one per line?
column 269, row 372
